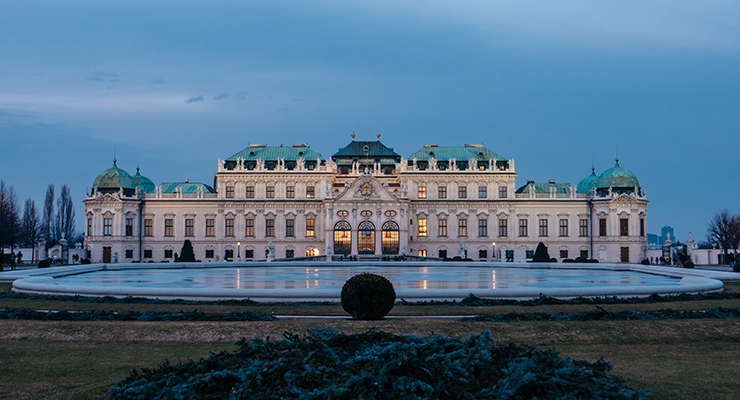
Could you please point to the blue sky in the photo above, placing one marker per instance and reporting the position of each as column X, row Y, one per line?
column 555, row 85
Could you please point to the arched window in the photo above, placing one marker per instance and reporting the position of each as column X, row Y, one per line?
column 342, row 238
column 390, row 238
column 366, row 238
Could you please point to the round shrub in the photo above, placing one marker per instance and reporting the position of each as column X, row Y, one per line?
column 688, row 264
column 368, row 296
column 44, row 264
column 736, row 267
column 645, row 262
column 85, row 261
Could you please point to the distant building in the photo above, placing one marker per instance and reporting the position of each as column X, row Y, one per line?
column 664, row 231
column 366, row 201
column 652, row 239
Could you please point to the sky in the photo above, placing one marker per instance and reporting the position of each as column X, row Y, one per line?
column 172, row 86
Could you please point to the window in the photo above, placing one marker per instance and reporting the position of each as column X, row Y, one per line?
column 442, row 225
column 482, row 253
column 482, row 192
column 148, row 253
column 310, row 227
column 390, row 213
column 624, row 229
column 503, row 227
column 563, row 253
column 168, row 253
column 289, row 253
column 189, row 227
column 523, row 228
column 543, row 227
column 229, row 192
column 443, row 254
column 290, row 192
column 89, row 227
column 462, row 227
column 229, row 227
column 422, row 226
column 270, row 192
column 250, row 192
column 249, row 227
column 584, row 254
column 209, row 253
column 422, row 192
column 602, row 226
column 502, row 192
column 129, row 253
column 642, row 226
column 563, row 228
column 310, row 192
column 129, row 228
column 482, row 227
column 249, row 253
column 289, row 227
column 210, row 227
column 269, row 227
column 149, row 227
column 366, row 213
column 462, row 192
column 442, row 192
column 422, row 253
column 342, row 213
column 169, row 227
column 107, row 226
column 582, row 227
column 229, row 254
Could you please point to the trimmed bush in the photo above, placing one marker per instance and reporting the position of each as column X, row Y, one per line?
column 736, row 267
column 541, row 254
column 688, row 264
column 645, row 262
column 44, row 264
column 368, row 296
column 186, row 253
column 85, row 261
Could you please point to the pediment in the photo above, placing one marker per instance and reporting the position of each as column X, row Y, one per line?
column 106, row 198
column 624, row 198
column 366, row 188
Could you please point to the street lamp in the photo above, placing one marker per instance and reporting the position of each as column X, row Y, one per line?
column 494, row 258
column 238, row 251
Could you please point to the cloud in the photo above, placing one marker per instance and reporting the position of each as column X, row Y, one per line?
column 222, row 96
column 103, row 76
column 195, row 99
column 157, row 81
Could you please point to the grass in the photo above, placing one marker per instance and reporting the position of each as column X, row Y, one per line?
column 679, row 359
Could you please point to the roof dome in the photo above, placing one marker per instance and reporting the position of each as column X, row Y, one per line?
column 617, row 177
column 143, row 183
column 113, row 179
column 588, row 183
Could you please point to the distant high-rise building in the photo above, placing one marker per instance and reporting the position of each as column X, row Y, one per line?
column 664, row 231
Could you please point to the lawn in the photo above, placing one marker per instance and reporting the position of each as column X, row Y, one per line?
column 691, row 359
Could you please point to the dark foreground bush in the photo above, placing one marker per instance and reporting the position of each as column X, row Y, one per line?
column 688, row 264
column 85, row 261
column 736, row 267
column 368, row 296
column 44, row 264
column 376, row 365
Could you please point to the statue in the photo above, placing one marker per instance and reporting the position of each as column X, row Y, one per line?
column 329, row 253
column 461, row 250
column 271, row 251
column 432, row 163
column 404, row 250
column 260, row 164
column 300, row 162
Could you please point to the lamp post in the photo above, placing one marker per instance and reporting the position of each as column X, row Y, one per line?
column 238, row 251
column 494, row 258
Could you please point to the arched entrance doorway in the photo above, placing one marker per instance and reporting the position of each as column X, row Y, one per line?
column 390, row 238
column 366, row 238
column 342, row 238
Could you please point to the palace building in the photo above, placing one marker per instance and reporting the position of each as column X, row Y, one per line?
column 366, row 201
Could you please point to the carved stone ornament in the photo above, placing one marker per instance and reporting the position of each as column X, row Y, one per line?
column 366, row 190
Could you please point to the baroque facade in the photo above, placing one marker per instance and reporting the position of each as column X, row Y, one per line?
column 366, row 201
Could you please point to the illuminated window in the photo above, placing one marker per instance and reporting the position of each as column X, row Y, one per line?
column 422, row 253
column 422, row 227
column 310, row 230
column 310, row 192
column 422, row 192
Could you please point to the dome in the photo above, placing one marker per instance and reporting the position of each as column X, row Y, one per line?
column 588, row 183
column 113, row 179
column 616, row 178
column 144, row 184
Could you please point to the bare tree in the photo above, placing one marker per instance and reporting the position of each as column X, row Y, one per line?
column 9, row 219
column 47, row 224
column 30, row 229
column 65, row 218
column 724, row 230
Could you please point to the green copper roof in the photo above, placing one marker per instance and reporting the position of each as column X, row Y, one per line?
column 143, row 183
column 113, row 178
column 459, row 153
column 544, row 188
column 187, row 187
column 588, row 183
column 356, row 149
column 272, row 153
column 617, row 177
